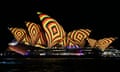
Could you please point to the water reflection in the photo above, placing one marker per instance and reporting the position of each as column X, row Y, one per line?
column 57, row 64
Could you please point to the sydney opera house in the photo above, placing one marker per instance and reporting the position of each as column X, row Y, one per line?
column 65, row 36
column 49, row 40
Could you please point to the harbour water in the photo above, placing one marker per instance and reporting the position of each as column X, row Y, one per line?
column 58, row 64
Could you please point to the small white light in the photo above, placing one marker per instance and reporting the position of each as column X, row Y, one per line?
column 42, row 54
column 13, row 43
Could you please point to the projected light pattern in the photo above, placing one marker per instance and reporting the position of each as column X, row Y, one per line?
column 71, row 44
column 36, row 34
column 104, row 43
column 79, row 36
column 51, row 34
column 101, row 43
column 21, row 35
column 54, row 32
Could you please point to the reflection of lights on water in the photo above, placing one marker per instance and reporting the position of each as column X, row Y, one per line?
column 1, row 54
column 10, row 62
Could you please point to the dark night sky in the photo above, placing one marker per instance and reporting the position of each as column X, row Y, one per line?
column 102, row 19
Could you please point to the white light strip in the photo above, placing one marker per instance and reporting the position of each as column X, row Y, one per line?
column 13, row 43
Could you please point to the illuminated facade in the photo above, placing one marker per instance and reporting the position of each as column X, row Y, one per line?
column 50, row 34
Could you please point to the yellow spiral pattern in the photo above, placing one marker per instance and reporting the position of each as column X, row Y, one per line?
column 53, row 31
column 36, row 34
column 20, row 35
column 79, row 35
column 104, row 43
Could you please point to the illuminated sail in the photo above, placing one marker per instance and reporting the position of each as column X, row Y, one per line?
column 79, row 36
column 36, row 33
column 20, row 35
column 63, row 41
column 72, row 44
column 104, row 43
column 91, row 42
column 54, row 32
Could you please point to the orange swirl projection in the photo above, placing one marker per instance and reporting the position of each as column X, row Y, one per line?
column 79, row 35
column 72, row 44
column 36, row 34
column 63, row 42
column 53, row 31
column 104, row 43
column 51, row 34
column 20, row 35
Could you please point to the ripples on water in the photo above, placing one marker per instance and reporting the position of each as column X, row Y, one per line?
column 58, row 65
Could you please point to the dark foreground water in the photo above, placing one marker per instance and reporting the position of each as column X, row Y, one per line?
column 59, row 64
